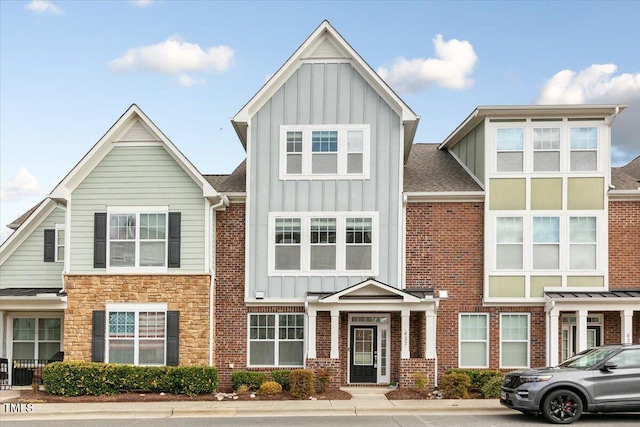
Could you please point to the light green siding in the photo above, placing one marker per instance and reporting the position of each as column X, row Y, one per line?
column 585, row 281
column 538, row 283
column 546, row 193
column 470, row 151
column 138, row 176
column 585, row 193
column 25, row 267
column 506, row 286
column 507, row 194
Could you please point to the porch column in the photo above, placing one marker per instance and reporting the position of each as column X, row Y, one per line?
column 335, row 334
column 311, row 333
column 626, row 325
column 405, row 353
column 430, row 331
column 552, row 337
column 581, row 330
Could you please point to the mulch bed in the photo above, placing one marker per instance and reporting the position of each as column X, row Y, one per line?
column 412, row 393
column 30, row 396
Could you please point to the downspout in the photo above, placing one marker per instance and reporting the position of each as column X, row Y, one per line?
column 66, row 240
column 212, row 271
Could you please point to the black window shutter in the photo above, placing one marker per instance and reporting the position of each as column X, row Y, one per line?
column 100, row 240
column 174, row 240
column 173, row 336
column 98, row 329
column 49, row 245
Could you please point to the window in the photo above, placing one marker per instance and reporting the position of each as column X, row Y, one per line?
column 276, row 339
column 59, row 242
column 474, row 341
column 288, row 244
column 137, row 239
column 324, row 151
column 582, row 243
column 36, row 338
column 626, row 359
column 514, row 340
column 584, row 149
column 509, row 243
column 546, row 149
column 546, row 243
column 136, row 336
column 322, row 243
column 510, row 145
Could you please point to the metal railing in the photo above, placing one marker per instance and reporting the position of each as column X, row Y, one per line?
column 25, row 371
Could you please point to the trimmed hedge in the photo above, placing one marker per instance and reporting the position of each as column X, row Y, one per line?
column 492, row 388
column 251, row 379
column 281, row 377
column 88, row 378
column 301, row 382
column 455, row 385
column 481, row 380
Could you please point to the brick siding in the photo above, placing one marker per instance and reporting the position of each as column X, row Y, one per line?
column 624, row 245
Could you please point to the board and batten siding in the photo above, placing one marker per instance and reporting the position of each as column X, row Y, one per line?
column 470, row 151
column 25, row 267
column 138, row 176
column 323, row 94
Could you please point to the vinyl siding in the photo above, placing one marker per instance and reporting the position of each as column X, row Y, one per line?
column 470, row 151
column 323, row 94
column 25, row 267
column 138, row 176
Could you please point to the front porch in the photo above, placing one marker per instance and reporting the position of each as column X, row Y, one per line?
column 372, row 334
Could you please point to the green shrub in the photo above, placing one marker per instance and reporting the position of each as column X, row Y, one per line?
column 86, row 378
column 251, row 379
column 281, row 377
column 491, row 388
column 301, row 383
column 455, row 385
column 420, row 381
column 270, row 388
column 477, row 377
column 324, row 378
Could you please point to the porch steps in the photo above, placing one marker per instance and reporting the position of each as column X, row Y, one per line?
column 366, row 393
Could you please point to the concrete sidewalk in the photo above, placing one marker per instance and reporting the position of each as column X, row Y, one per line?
column 360, row 405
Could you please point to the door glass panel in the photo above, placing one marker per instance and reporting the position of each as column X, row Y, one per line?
column 363, row 343
column 591, row 338
column 383, row 353
column 565, row 344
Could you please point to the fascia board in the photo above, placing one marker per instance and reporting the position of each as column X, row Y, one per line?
column 624, row 195
column 28, row 226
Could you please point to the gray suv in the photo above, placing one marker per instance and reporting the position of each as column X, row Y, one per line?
column 601, row 379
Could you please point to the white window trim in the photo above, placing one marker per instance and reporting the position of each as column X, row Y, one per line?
column 58, row 228
column 36, row 316
column 136, row 308
column 341, row 246
column 487, row 340
column 560, row 244
column 523, row 151
column 534, row 150
column 137, row 210
column 528, row 315
column 496, row 243
column 584, row 150
column 342, row 152
column 276, row 340
column 596, row 243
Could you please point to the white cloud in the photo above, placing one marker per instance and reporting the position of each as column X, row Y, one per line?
column 142, row 3
column 43, row 6
column 598, row 84
column 21, row 186
column 187, row 80
column 174, row 56
column 454, row 63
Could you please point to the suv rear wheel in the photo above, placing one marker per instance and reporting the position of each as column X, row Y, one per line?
column 562, row 407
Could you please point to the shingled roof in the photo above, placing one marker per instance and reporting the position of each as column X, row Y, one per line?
column 22, row 218
column 432, row 170
column 627, row 177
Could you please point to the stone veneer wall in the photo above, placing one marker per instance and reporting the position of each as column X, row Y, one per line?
column 188, row 294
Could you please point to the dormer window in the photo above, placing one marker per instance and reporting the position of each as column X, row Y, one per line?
column 319, row 152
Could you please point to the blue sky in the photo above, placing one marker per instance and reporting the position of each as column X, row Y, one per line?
column 69, row 69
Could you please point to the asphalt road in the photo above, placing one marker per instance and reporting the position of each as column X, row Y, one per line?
column 501, row 420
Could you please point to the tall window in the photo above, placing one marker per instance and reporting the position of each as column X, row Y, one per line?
column 359, row 243
column 584, row 149
column 137, row 239
column 546, row 243
column 136, row 337
column 514, row 340
column 288, row 244
column 323, row 243
column 509, row 243
column 324, row 151
column 510, row 144
column 36, row 338
column 276, row 339
column 59, row 242
column 474, row 341
column 582, row 243
column 546, row 149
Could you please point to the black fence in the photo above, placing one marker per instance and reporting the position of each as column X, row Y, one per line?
column 26, row 371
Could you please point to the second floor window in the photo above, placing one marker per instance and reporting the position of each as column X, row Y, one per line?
column 324, row 152
column 137, row 239
column 510, row 145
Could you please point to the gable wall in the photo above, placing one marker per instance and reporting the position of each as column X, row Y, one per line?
column 323, row 94
column 25, row 267
column 138, row 176
column 470, row 151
